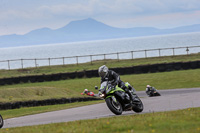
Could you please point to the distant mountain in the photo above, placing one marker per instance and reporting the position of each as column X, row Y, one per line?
column 85, row 30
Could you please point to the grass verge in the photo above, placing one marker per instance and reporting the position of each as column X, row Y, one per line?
column 181, row 121
column 73, row 87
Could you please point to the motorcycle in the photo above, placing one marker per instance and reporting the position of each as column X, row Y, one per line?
column 118, row 100
column 1, row 121
column 153, row 92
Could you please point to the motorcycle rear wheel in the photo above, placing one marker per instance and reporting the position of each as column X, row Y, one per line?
column 114, row 106
column 138, row 107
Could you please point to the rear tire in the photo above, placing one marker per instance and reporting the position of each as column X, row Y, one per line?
column 115, row 107
column 138, row 106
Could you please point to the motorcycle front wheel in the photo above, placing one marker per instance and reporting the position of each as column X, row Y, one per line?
column 157, row 94
column 114, row 105
column 1, row 121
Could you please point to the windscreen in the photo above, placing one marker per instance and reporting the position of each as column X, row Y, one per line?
column 103, row 85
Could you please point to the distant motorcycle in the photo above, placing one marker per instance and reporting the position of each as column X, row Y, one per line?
column 1, row 121
column 118, row 100
column 153, row 92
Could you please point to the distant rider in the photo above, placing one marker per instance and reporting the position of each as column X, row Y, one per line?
column 113, row 77
column 89, row 93
column 149, row 89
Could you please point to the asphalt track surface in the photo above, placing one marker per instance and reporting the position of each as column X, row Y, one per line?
column 170, row 100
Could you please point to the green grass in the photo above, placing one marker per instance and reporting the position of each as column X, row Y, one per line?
column 73, row 87
column 181, row 121
column 95, row 65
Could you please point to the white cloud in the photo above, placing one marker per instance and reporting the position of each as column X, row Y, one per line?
column 71, row 10
column 169, row 20
column 28, row 15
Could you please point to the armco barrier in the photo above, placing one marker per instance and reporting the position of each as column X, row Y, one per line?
column 195, row 64
column 151, row 68
column 91, row 73
column 177, row 66
column 15, row 105
column 80, row 74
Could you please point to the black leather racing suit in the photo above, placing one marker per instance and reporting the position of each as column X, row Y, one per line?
column 114, row 78
column 149, row 90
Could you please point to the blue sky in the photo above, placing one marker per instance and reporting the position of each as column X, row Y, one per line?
column 22, row 16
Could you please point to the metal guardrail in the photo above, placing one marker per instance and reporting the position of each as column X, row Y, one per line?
column 90, row 58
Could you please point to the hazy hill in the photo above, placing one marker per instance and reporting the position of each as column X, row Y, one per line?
column 84, row 30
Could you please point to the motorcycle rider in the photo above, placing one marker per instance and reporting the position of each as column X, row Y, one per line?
column 114, row 78
column 149, row 89
column 89, row 93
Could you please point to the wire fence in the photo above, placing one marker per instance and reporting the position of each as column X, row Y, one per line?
column 37, row 62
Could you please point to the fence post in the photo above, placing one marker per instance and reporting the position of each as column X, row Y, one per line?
column 22, row 63
column 8, row 65
column 36, row 63
column 91, row 59
column 77, row 60
column 173, row 52
column 104, row 56
column 118, row 56
column 132, row 54
column 63, row 61
column 145, row 53
column 49, row 62
column 159, row 52
column 187, row 49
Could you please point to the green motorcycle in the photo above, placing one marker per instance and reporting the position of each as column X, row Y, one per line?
column 118, row 100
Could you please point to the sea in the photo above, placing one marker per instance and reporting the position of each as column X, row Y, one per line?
column 88, row 51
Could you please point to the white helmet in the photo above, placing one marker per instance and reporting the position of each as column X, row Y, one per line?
column 86, row 90
column 103, row 71
column 148, row 86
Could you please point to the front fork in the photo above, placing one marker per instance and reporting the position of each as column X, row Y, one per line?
column 114, row 99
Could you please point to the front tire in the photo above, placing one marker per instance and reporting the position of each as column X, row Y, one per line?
column 114, row 105
column 158, row 94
